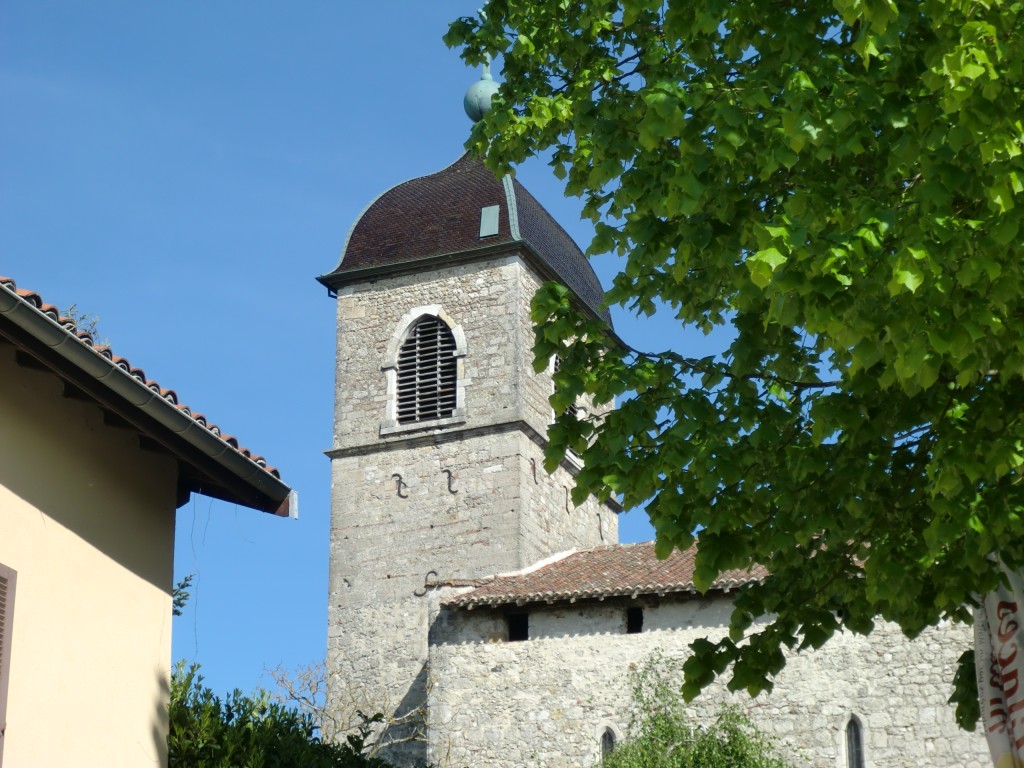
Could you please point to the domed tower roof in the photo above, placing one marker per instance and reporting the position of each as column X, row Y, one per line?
column 459, row 214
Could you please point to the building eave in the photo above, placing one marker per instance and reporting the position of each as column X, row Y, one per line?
column 334, row 281
column 208, row 464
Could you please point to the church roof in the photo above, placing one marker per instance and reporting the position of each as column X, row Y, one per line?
column 612, row 571
column 440, row 217
column 210, row 461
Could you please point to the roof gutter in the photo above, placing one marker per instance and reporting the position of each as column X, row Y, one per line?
column 223, row 471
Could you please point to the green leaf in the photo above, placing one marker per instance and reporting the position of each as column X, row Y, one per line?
column 762, row 265
column 965, row 693
column 1006, row 230
column 663, row 547
column 909, row 277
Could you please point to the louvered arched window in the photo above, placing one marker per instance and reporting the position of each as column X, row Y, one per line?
column 427, row 371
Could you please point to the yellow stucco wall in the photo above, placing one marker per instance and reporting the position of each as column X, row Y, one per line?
column 87, row 521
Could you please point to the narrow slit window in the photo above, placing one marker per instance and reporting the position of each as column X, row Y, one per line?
column 518, row 627
column 427, row 373
column 854, row 744
column 634, row 620
column 607, row 744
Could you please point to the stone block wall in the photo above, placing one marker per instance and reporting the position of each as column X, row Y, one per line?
column 461, row 499
column 552, row 523
column 485, row 300
column 545, row 701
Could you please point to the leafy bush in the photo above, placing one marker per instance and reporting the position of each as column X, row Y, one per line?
column 667, row 737
column 244, row 731
column 671, row 740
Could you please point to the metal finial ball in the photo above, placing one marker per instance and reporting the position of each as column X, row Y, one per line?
column 478, row 98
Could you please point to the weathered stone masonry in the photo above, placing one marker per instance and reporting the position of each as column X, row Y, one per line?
column 397, row 518
column 545, row 701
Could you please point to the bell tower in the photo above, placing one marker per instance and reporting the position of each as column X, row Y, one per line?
column 440, row 423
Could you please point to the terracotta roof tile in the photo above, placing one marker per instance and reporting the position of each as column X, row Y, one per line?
column 71, row 327
column 610, row 571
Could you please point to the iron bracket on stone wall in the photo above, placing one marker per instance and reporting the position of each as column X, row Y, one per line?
column 427, row 584
column 451, row 480
column 400, row 484
column 533, row 468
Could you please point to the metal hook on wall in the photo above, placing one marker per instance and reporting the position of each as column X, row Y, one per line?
column 427, row 584
column 451, row 480
column 533, row 468
column 600, row 526
column 568, row 508
column 400, row 485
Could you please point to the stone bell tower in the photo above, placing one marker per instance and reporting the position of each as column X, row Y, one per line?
column 440, row 423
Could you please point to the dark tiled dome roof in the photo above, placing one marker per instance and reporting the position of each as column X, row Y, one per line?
column 440, row 215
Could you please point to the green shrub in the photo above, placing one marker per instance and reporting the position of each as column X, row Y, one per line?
column 666, row 737
column 243, row 731
column 671, row 740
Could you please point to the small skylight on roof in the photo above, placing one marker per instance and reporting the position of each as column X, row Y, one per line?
column 489, row 220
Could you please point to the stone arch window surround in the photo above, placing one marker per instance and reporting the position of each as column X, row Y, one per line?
column 852, row 742
column 405, row 327
column 609, row 736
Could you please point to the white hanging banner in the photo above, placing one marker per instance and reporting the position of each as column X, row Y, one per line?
column 999, row 660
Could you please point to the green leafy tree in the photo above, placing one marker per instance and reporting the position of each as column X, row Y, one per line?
column 240, row 730
column 841, row 184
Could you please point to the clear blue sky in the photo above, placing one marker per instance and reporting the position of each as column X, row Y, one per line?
column 183, row 171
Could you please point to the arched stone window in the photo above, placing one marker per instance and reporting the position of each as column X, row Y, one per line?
column 607, row 743
column 424, row 371
column 854, row 744
column 608, row 738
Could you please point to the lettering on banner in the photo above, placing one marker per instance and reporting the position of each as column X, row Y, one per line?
column 1007, row 711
